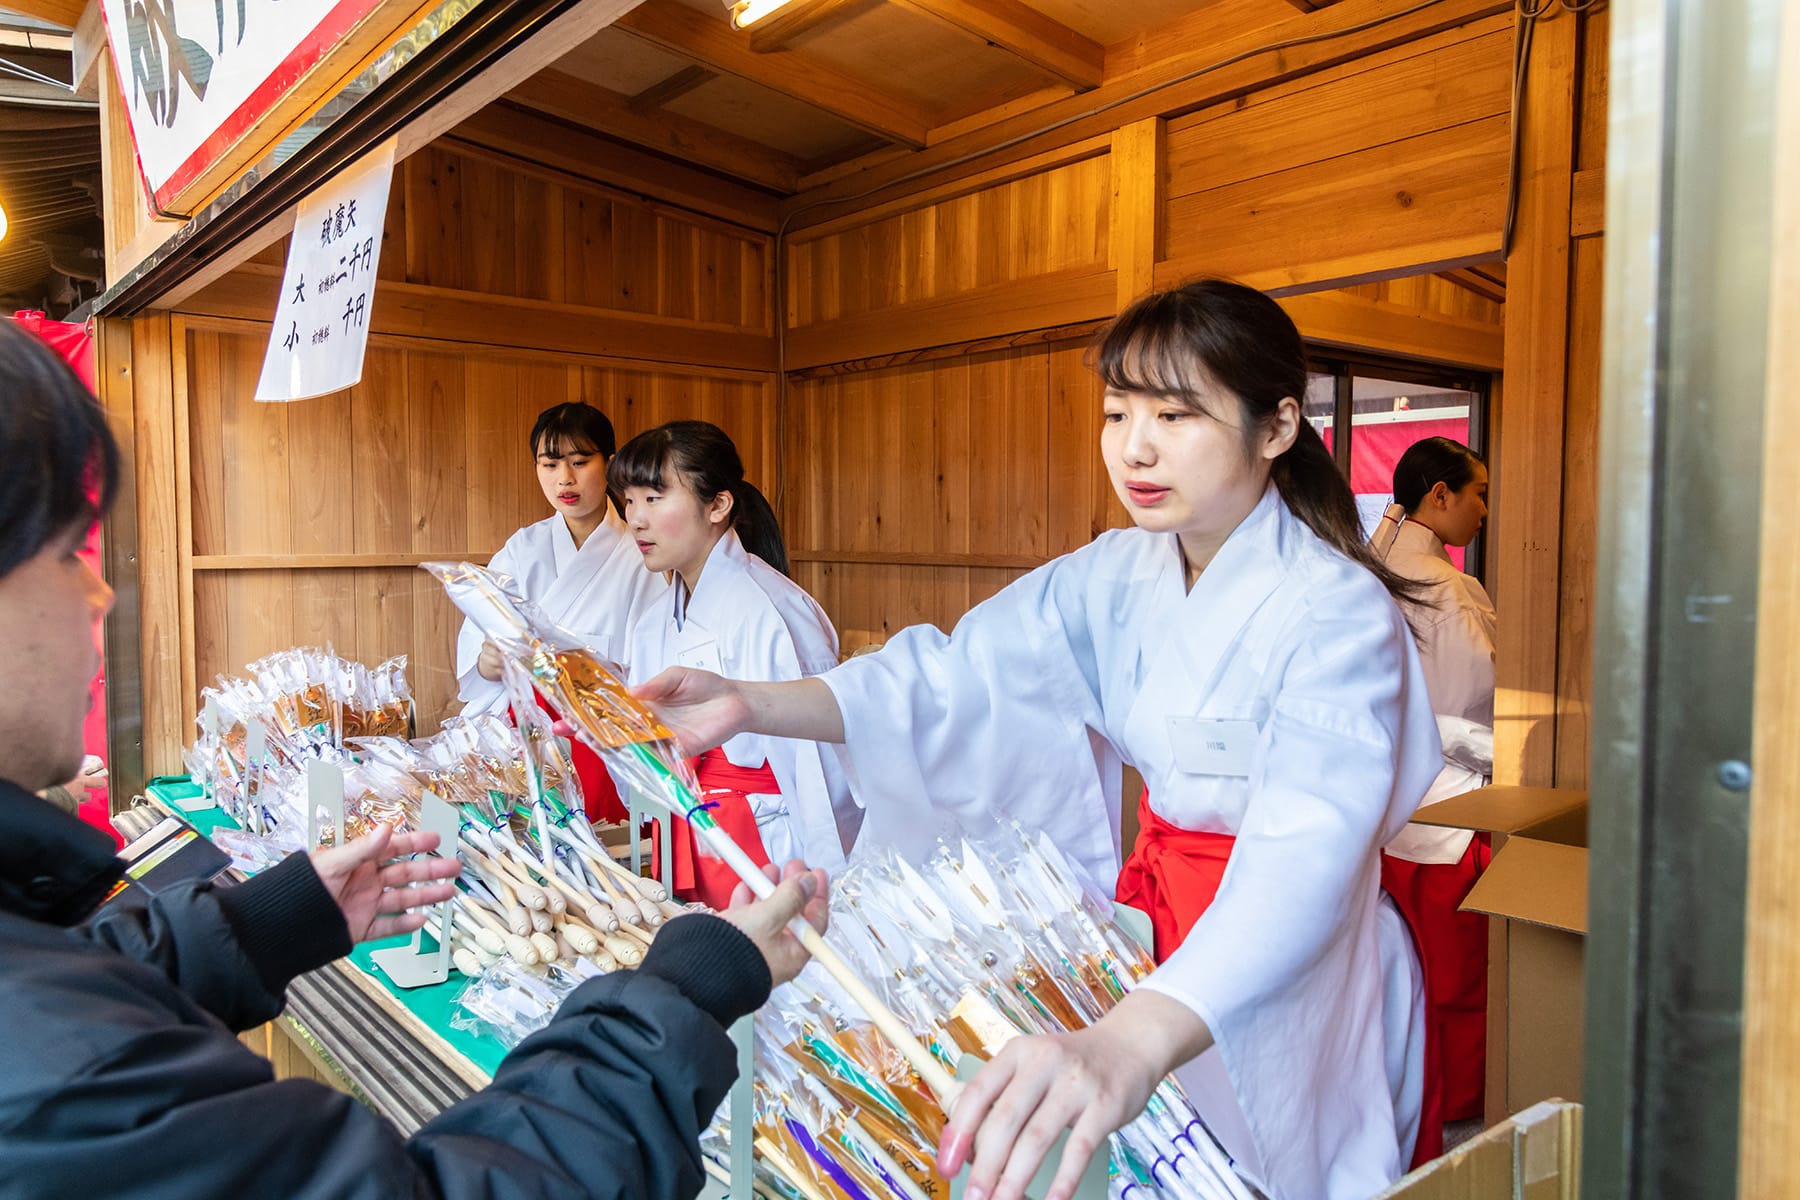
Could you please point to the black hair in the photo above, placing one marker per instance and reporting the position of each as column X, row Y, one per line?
column 1427, row 463
column 704, row 456
column 1211, row 334
column 59, row 464
column 577, row 426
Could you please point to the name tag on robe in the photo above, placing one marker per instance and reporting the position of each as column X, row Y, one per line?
column 1205, row 746
column 702, row 656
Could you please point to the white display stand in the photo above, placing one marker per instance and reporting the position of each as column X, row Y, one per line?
column 410, row 966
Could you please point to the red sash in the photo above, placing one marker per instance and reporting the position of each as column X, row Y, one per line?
column 597, row 791
column 1429, row 894
column 1174, row 873
column 728, row 786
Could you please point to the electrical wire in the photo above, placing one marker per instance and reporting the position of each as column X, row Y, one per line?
column 13, row 68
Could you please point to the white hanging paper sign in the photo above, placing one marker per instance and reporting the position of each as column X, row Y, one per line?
column 327, row 292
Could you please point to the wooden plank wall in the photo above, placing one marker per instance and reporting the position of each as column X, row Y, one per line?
column 940, row 429
column 1546, row 444
column 303, row 523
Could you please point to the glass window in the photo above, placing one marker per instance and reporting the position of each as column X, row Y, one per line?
column 1387, row 416
column 1368, row 413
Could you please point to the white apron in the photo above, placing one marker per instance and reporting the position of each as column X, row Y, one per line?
column 1280, row 701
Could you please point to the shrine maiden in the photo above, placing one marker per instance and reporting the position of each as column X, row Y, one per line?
column 577, row 565
column 731, row 609
column 1440, row 499
column 1242, row 650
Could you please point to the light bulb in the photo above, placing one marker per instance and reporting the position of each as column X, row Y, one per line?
column 2, row 222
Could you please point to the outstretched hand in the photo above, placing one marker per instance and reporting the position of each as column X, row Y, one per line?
column 765, row 922
column 703, row 709
column 375, row 894
column 1091, row 1082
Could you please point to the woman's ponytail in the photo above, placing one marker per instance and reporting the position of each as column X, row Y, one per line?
column 754, row 520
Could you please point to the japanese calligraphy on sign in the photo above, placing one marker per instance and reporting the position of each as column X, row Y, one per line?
column 328, row 290
column 199, row 78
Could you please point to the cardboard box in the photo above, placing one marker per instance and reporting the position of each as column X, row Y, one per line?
column 1537, row 887
column 1535, row 1154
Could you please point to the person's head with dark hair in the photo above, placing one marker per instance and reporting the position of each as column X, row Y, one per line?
column 683, row 488
column 572, row 444
column 59, row 470
column 1203, row 389
column 1443, row 485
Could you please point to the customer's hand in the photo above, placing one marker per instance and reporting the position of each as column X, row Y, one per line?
column 376, row 895
column 765, row 922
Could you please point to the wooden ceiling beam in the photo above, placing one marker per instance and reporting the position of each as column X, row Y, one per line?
column 579, row 102
column 66, row 13
column 782, row 26
column 673, row 88
column 1026, row 33
column 1471, row 280
column 691, row 33
column 1161, row 82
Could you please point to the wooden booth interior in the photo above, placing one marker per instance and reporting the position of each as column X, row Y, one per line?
column 871, row 239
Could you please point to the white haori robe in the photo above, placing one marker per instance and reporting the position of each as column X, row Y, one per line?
column 1280, row 701
column 596, row 592
column 748, row 621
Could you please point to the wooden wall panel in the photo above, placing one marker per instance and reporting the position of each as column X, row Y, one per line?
column 475, row 224
column 1050, row 221
column 426, row 457
column 918, row 490
column 1357, row 173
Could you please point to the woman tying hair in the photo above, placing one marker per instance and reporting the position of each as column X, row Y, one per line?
column 1440, row 499
column 731, row 609
column 577, row 565
column 1242, row 649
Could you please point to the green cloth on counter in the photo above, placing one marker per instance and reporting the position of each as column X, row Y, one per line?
column 433, row 1005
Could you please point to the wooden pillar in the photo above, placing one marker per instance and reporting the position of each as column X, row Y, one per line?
column 1771, row 1099
column 1135, row 242
column 148, row 673
column 1527, row 521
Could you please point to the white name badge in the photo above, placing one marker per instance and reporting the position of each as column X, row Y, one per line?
column 703, row 656
column 1205, row 746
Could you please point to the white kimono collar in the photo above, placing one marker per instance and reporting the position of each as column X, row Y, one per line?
column 600, row 543
column 728, row 557
column 1416, row 537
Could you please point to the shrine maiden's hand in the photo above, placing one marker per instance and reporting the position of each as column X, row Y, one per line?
column 765, row 922
column 487, row 663
column 374, row 893
column 703, row 709
column 1090, row 1083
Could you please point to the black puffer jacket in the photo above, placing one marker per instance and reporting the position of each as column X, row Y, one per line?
column 120, row 1077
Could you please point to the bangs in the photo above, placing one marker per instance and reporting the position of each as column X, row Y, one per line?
column 641, row 462
column 1149, row 349
column 561, row 443
column 573, row 428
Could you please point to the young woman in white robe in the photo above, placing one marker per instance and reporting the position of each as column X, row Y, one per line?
column 731, row 609
column 577, row 565
column 1440, row 499
column 1242, row 649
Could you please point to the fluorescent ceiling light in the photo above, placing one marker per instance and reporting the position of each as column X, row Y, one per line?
column 745, row 12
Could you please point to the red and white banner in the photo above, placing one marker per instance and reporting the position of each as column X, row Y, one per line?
column 198, row 76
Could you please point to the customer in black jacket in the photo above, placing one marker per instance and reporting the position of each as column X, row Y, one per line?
column 119, row 1075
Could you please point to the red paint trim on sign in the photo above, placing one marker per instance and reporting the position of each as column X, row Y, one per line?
column 325, row 36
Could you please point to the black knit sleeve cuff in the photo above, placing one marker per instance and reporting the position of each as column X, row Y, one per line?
column 286, row 921
column 711, row 963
